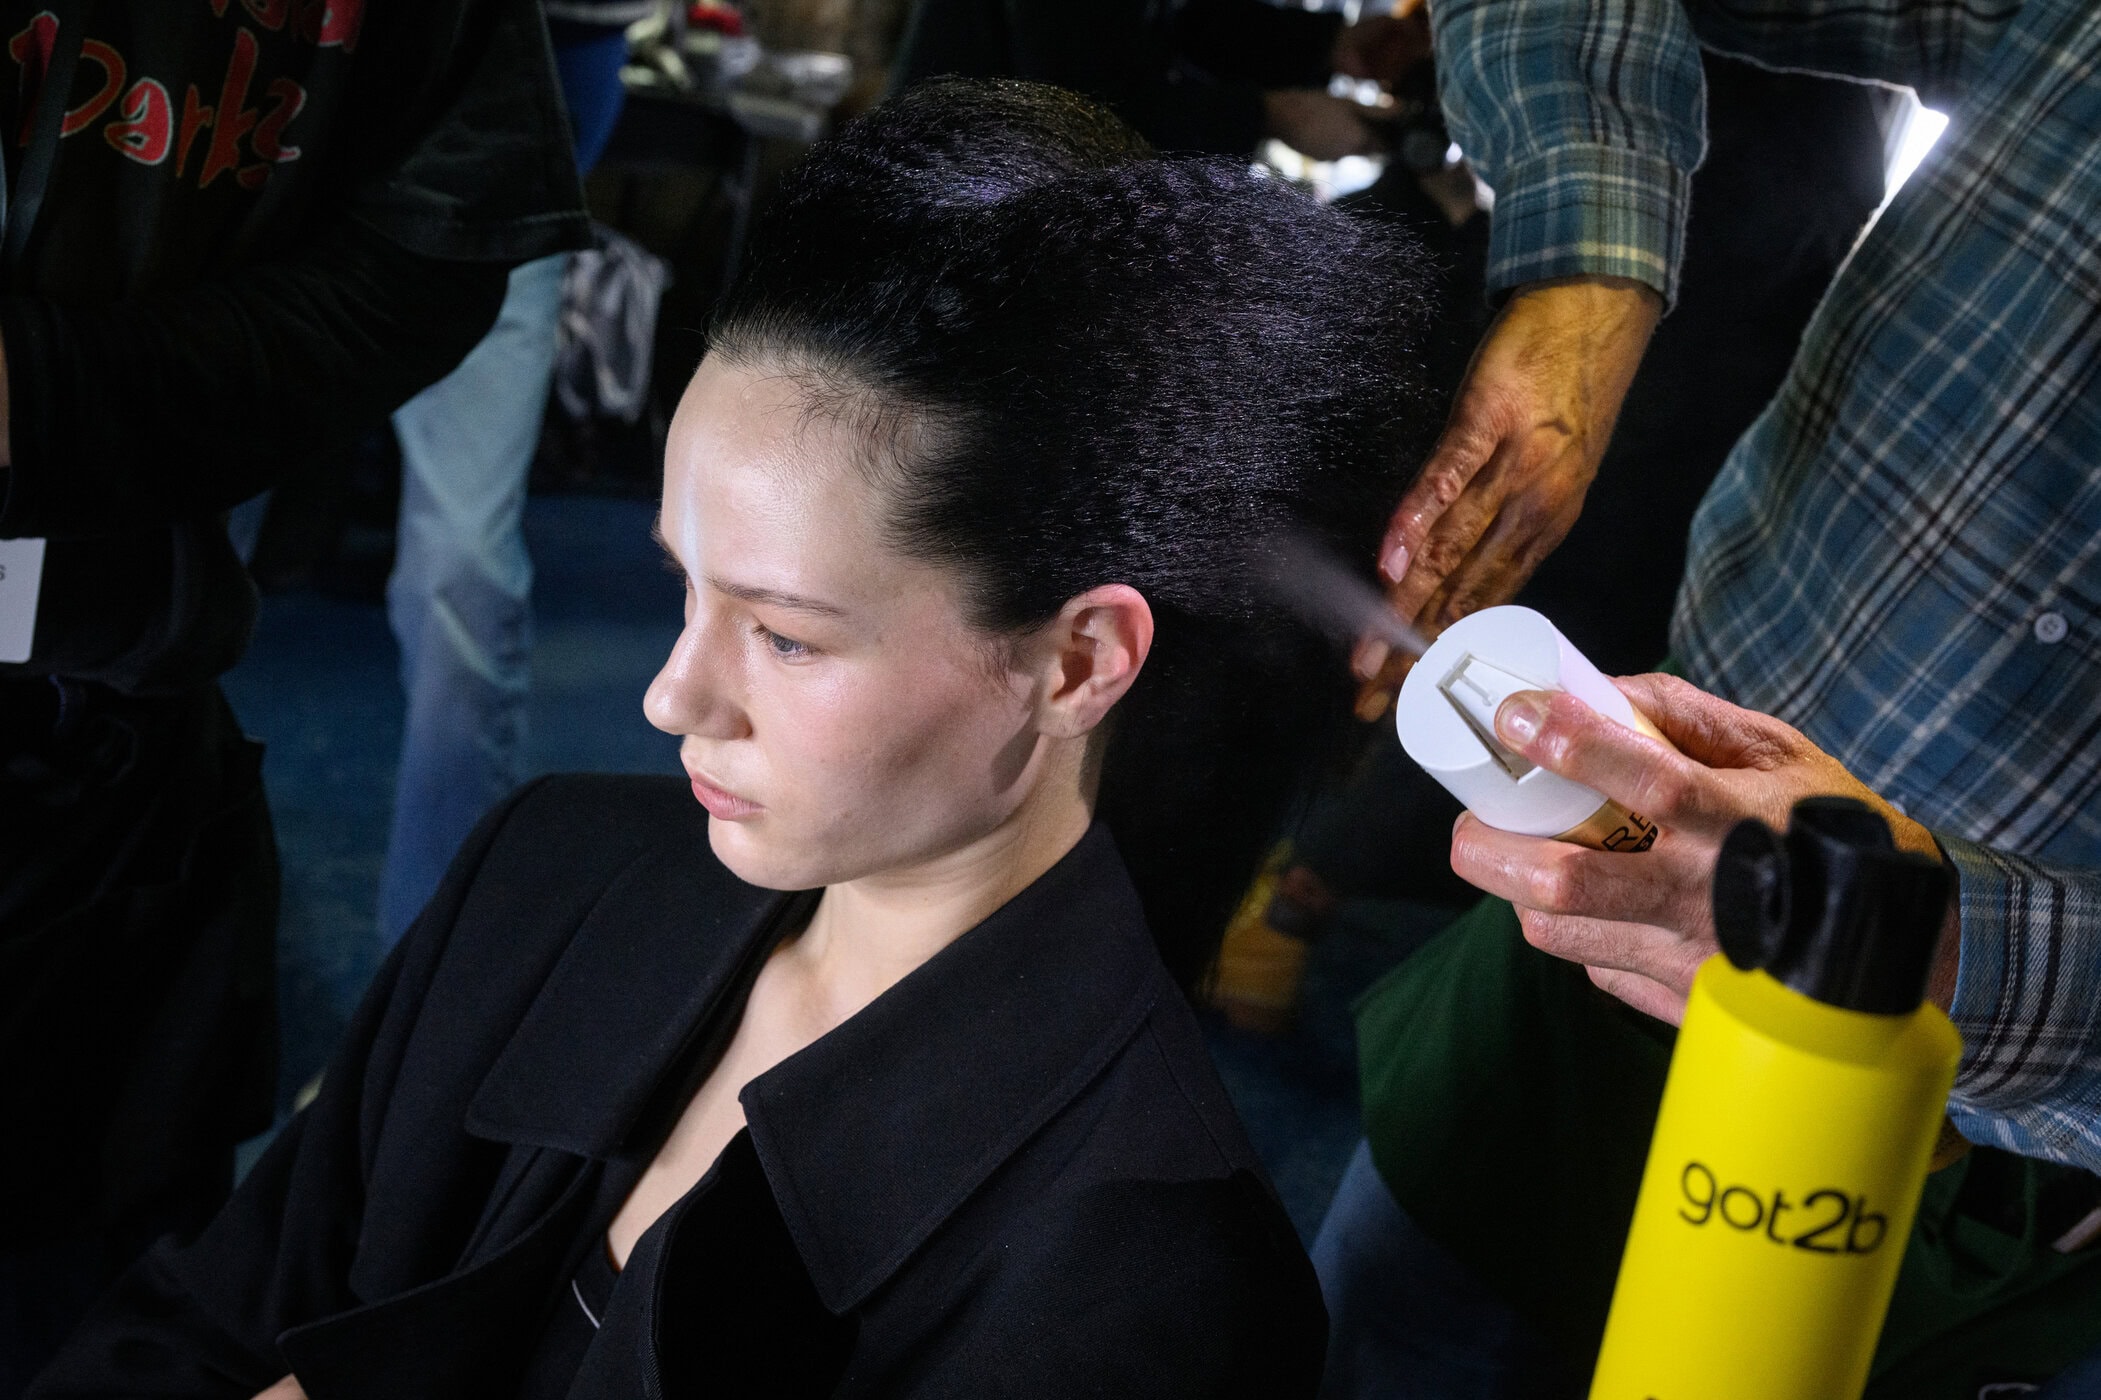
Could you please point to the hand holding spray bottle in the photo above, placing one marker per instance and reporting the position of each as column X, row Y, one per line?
column 1808, row 1082
column 1809, row 1078
column 1446, row 716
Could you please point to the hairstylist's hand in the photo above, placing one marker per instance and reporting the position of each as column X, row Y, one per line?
column 1506, row 481
column 1384, row 47
column 1643, row 923
column 286, row 1389
column 1318, row 126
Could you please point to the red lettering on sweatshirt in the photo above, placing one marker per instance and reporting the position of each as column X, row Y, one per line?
column 341, row 23
column 235, row 119
column 290, row 99
column 195, row 118
column 112, row 64
column 147, row 130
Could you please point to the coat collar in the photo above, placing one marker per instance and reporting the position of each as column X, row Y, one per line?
column 875, row 1134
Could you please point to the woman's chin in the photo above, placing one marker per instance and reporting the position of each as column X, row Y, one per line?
column 746, row 853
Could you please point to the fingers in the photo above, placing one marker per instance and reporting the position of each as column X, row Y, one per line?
column 1522, row 534
column 1375, row 696
column 285, row 1389
column 1460, row 454
column 1423, row 540
column 1645, row 995
column 1666, row 886
column 1659, row 954
column 1562, row 734
column 1450, row 539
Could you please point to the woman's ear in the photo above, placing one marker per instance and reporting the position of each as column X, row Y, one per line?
column 1094, row 648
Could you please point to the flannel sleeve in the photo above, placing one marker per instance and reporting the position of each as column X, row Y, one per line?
column 1587, row 119
column 1938, row 47
column 2028, row 1004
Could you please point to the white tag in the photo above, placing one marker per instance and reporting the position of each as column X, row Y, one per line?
column 21, row 574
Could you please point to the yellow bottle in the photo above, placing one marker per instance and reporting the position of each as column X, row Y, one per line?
column 1804, row 1099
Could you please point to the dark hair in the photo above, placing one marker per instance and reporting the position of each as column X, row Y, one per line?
column 1088, row 364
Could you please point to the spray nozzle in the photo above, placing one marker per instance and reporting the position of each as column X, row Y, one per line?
column 1832, row 909
column 1477, row 689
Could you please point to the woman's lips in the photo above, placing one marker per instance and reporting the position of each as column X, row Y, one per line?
column 726, row 806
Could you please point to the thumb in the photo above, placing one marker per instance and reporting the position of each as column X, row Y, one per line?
column 1707, row 728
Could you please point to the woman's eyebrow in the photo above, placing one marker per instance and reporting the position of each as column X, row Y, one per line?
column 773, row 597
column 749, row 593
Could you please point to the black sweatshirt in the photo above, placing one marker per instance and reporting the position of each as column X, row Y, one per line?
column 267, row 224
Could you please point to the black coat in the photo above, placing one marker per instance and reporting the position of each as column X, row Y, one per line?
column 1013, row 1174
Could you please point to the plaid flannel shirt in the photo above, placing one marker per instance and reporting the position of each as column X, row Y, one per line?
column 1900, row 555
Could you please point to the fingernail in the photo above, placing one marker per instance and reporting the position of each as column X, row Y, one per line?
column 1371, row 704
column 1458, row 819
column 1370, row 656
column 1395, row 564
column 1520, row 717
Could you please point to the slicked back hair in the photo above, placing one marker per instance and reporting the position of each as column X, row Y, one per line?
column 1082, row 363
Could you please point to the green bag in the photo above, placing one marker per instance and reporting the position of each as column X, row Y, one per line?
column 1509, row 1105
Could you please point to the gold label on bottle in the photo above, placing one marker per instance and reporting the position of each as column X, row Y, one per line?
column 1613, row 828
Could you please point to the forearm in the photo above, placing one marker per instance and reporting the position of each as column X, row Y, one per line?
column 124, row 416
column 2027, row 999
column 1587, row 120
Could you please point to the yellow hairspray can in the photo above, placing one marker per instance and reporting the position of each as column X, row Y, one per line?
column 1803, row 1103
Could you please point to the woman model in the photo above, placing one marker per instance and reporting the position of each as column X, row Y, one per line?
column 867, row 1073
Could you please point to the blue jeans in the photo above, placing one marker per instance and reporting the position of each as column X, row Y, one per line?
column 1406, row 1321
column 460, row 596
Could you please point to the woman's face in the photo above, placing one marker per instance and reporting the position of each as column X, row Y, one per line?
column 838, row 716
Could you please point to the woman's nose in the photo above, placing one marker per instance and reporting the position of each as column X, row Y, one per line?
column 695, row 692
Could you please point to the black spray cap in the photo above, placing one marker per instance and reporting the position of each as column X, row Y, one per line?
column 1832, row 909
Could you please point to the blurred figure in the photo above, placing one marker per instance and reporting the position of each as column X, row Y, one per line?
column 236, row 234
column 460, row 599
column 1213, row 75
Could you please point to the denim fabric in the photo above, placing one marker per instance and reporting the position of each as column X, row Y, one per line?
column 1407, row 1321
column 459, row 600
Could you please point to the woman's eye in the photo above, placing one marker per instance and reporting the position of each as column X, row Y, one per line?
column 787, row 648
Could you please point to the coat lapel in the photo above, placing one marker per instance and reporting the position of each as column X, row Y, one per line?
column 463, row 1336
column 643, row 975
column 874, row 1135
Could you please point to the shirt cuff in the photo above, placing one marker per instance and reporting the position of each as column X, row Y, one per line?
column 2028, row 1004
column 1589, row 210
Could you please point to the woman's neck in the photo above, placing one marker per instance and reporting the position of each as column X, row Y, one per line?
column 866, row 935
